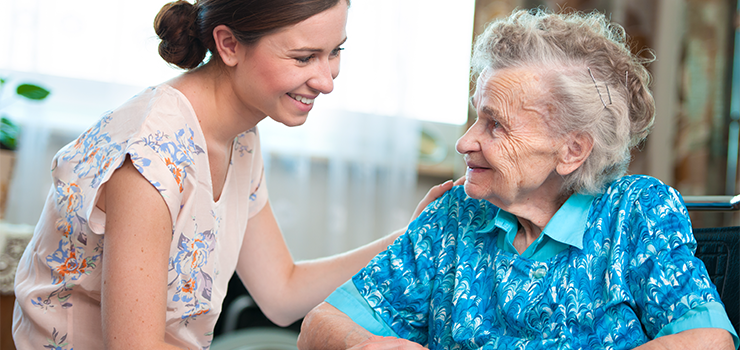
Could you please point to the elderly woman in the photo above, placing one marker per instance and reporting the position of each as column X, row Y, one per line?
column 548, row 245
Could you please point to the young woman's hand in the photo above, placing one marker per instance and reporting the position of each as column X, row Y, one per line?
column 434, row 193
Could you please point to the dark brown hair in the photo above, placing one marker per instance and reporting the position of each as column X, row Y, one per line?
column 186, row 30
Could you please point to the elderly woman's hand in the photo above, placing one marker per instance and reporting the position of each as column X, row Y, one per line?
column 386, row 343
column 327, row 328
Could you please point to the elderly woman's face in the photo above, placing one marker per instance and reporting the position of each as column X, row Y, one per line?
column 510, row 155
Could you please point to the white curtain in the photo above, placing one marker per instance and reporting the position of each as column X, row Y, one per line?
column 341, row 180
column 403, row 57
column 344, row 178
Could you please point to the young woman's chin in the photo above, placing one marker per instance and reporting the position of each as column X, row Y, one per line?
column 292, row 120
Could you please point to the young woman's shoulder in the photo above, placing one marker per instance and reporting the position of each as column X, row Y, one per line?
column 153, row 129
column 161, row 106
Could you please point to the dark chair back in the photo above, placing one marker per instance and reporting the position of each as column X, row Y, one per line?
column 719, row 249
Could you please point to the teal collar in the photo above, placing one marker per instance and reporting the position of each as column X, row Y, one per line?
column 566, row 228
column 569, row 222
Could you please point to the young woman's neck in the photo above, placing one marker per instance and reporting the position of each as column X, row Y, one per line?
column 222, row 115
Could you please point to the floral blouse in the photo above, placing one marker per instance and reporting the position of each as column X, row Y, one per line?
column 58, row 282
column 449, row 282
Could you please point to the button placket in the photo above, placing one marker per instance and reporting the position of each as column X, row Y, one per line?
column 539, row 272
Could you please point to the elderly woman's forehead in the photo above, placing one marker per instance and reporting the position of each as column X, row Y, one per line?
column 508, row 80
column 516, row 74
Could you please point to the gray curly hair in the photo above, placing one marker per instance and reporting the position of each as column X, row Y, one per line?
column 597, row 86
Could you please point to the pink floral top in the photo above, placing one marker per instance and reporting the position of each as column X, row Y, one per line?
column 58, row 282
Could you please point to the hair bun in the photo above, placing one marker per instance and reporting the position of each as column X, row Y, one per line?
column 175, row 26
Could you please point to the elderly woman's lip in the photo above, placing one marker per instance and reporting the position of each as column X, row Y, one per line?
column 476, row 168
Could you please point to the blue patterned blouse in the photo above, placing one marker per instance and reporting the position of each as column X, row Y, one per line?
column 611, row 272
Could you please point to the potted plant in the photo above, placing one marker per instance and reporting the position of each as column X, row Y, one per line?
column 9, row 132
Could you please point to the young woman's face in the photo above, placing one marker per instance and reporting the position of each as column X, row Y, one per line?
column 286, row 71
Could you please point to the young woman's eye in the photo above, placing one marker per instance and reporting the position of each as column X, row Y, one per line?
column 304, row 59
column 335, row 52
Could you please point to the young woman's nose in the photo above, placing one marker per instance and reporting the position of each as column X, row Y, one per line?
column 324, row 75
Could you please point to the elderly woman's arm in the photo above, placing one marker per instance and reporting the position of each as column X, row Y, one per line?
column 327, row 328
column 692, row 339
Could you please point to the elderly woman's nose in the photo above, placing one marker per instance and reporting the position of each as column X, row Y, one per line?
column 468, row 142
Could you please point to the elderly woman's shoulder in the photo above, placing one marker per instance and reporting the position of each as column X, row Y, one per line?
column 635, row 182
column 457, row 200
column 642, row 188
column 456, row 206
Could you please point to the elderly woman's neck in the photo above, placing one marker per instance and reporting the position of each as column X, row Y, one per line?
column 533, row 219
column 526, row 235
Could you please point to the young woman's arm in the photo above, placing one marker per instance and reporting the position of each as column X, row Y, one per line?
column 138, row 232
column 286, row 290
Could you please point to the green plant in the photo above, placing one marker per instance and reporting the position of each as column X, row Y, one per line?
column 8, row 134
column 9, row 131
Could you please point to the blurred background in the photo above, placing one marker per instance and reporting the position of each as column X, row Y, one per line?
column 372, row 148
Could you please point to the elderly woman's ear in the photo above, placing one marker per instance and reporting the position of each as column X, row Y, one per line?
column 574, row 151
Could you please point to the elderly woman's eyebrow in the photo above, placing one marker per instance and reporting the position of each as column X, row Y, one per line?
column 487, row 110
column 491, row 112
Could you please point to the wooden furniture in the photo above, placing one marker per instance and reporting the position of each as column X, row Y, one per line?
column 13, row 241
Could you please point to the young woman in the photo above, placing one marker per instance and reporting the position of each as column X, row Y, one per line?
column 154, row 207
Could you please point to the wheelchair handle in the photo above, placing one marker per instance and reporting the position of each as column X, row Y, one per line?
column 712, row 203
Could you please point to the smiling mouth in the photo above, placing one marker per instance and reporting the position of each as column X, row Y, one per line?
column 476, row 167
column 473, row 166
column 301, row 99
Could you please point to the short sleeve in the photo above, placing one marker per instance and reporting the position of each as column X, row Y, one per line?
column 711, row 314
column 399, row 283
column 665, row 278
column 396, row 284
column 155, row 169
column 348, row 300
column 163, row 153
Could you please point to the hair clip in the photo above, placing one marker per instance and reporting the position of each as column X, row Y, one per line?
column 626, row 81
column 597, row 89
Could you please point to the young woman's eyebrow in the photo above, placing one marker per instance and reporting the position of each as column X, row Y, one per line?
column 310, row 49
